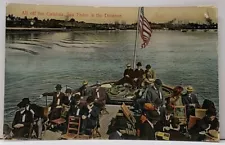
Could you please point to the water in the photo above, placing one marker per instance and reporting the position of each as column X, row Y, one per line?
column 69, row 58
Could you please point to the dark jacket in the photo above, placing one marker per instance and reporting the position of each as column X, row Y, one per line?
column 186, row 100
column 203, row 124
column 61, row 97
column 101, row 99
column 74, row 108
column 147, row 132
column 18, row 119
column 138, row 73
column 129, row 72
column 115, row 136
column 93, row 117
column 85, row 91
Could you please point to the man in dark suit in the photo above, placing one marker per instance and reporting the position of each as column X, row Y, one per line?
column 148, row 120
column 100, row 95
column 190, row 100
column 23, row 121
column 68, row 97
column 127, row 76
column 56, row 105
column 138, row 75
column 84, row 90
column 90, row 117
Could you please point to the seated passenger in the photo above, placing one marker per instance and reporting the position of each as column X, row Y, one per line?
column 90, row 118
column 138, row 75
column 127, row 77
column 149, row 75
column 23, row 121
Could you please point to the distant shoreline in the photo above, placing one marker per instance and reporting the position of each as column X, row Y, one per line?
column 65, row 29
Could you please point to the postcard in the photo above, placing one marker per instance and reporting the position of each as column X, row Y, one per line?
column 111, row 73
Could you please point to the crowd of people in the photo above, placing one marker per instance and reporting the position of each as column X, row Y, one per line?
column 84, row 102
column 156, row 110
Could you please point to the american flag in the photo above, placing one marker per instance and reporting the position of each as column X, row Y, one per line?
column 144, row 28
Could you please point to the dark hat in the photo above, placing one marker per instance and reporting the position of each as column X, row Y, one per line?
column 68, row 91
column 148, row 66
column 139, row 64
column 58, row 86
column 90, row 99
column 211, row 112
column 153, row 115
column 158, row 82
column 23, row 103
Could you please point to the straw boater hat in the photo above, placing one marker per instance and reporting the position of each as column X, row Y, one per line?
column 213, row 134
column 128, row 65
column 85, row 82
column 190, row 89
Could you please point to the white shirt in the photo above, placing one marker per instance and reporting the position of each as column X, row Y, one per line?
column 120, row 134
column 69, row 98
column 98, row 96
column 58, row 100
column 24, row 115
column 150, row 123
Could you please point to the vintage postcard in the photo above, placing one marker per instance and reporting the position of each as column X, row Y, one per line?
column 117, row 73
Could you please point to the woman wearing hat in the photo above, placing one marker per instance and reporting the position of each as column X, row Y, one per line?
column 149, row 75
column 176, row 99
column 209, row 122
column 148, row 120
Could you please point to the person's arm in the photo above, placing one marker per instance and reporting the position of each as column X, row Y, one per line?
column 153, row 74
column 15, row 120
column 48, row 94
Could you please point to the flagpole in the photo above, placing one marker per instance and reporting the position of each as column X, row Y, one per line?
column 135, row 46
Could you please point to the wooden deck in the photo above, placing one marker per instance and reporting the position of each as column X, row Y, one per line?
column 104, row 123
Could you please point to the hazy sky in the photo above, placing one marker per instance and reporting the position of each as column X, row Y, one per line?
column 112, row 14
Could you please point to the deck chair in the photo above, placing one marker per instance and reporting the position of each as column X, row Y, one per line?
column 180, row 113
column 95, row 133
column 61, row 120
column 192, row 121
column 128, row 114
column 73, row 128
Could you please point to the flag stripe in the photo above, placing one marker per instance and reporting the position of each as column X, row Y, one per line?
column 144, row 29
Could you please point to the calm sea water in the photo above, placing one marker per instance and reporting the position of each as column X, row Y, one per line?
column 69, row 58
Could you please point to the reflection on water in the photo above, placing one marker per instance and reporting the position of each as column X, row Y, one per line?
column 70, row 57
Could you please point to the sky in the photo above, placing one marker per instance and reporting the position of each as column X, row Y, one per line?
column 112, row 14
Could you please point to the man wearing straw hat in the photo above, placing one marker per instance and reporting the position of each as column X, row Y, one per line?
column 190, row 100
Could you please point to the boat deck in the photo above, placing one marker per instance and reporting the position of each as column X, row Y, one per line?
column 104, row 123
